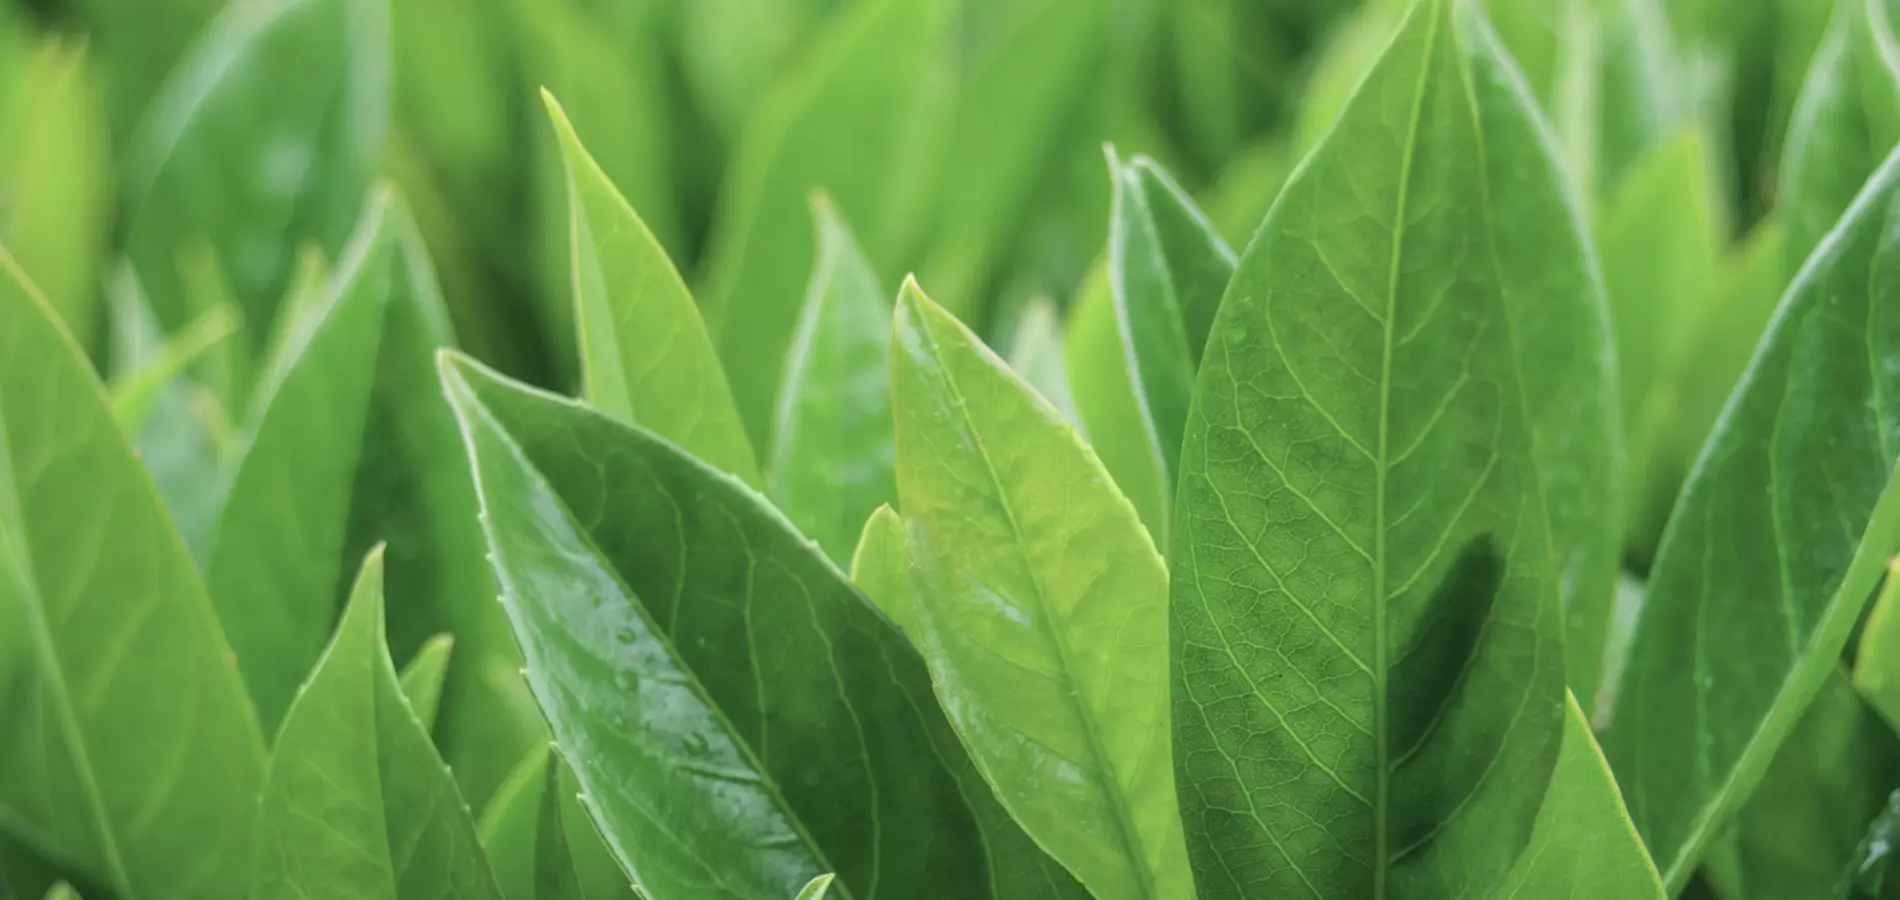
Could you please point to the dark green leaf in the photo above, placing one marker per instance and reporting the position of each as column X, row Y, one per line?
column 1167, row 269
column 422, row 678
column 1845, row 119
column 831, row 462
column 645, row 354
column 1023, row 552
column 94, row 756
column 1773, row 548
column 1583, row 844
column 515, row 832
column 264, row 136
column 1800, row 827
column 1391, row 483
column 860, row 119
column 880, row 567
column 741, row 719
column 358, row 805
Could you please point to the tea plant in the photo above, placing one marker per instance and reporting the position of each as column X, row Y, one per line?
column 1441, row 449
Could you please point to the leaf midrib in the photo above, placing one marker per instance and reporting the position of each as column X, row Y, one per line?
column 1380, row 718
column 1125, row 827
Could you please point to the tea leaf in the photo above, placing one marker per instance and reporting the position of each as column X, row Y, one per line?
column 116, row 632
column 1845, row 119
column 1772, row 550
column 1107, row 402
column 516, row 827
column 831, row 463
column 358, row 805
column 645, row 354
column 422, row 678
column 1024, row 553
column 880, row 567
column 1383, row 504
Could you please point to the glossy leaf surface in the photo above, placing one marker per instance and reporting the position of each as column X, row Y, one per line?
column 116, row 629
column 831, row 460
column 645, row 354
column 1773, row 548
column 277, row 115
column 1024, row 554
column 1390, row 485
column 358, row 804
column 741, row 719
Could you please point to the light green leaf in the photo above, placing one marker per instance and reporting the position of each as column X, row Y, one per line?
column 1348, row 55
column 1846, row 118
column 831, row 463
column 817, row 888
column 1022, row 551
column 1246, row 188
column 55, row 176
column 62, row 891
column 134, row 395
column 358, row 804
column 645, row 354
column 227, row 366
column 1107, row 404
column 1802, row 825
column 1773, row 548
column 740, row 718
column 1036, row 353
column 1391, row 485
column 1583, row 844
column 93, row 758
column 422, row 678
column 1658, row 238
column 861, row 118
column 264, row 136
column 880, row 567
column 1877, row 658
column 1167, row 269
column 515, row 831
column 276, row 561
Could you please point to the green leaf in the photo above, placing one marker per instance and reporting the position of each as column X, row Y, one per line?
column 264, row 136
column 1014, row 109
column 188, row 434
column 1659, row 239
column 1583, row 844
column 554, row 877
column 119, row 633
column 1167, row 269
column 880, row 567
column 134, row 395
column 817, row 888
column 831, row 464
column 1036, row 353
column 1772, row 550
column 1877, row 657
column 515, row 831
column 1870, row 877
column 422, row 678
column 1846, row 118
column 1023, row 551
column 358, row 804
column 55, row 175
column 1106, row 402
column 62, row 891
column 276, row 561
column 741, row 719
column 860, row 118
column 1392, row 484
column 1802, row 825
column 645, row 353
